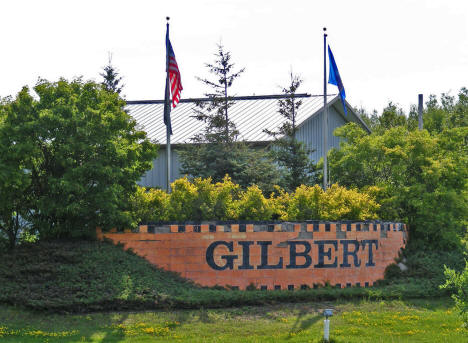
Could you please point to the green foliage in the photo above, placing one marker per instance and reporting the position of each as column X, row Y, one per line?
column 83, row 276
column 111, row 79
column 69, row 158
column 280, row 201
column 342, row 203
column 225, row 193
column 149, row 205
column 204, row 200
column 246, row 165
column 424, row 266
column 290, row 154
column 220, row 128
column 448, row 113
column 182, row 199
column 337, row 203
column 295, row 166
column 252, row 205
column 305, row 203
column 392, row 116
column 458, row 282
column 418, row 178
column 99, row 276
column 15, row 182
column 370, row 119
column 198, row 200
column 217, row 151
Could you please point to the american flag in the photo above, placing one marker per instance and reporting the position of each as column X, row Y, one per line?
column 174, row 73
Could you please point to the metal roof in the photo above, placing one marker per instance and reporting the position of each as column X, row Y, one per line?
column 251, row 114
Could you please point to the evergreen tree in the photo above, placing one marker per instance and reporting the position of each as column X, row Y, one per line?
column 111, row 79
column 217, row 151
column 291, row 155
column 370, row 119
column 447, row 113
column 215, row 113
column 392, row 116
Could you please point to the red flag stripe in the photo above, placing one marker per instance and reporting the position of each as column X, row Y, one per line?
column 174, row 80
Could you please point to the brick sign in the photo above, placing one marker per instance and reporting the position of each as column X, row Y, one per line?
column 270, row 255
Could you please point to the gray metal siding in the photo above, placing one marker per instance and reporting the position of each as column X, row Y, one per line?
column 157, row 176
column 310, row 133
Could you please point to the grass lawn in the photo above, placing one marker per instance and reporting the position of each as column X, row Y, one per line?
column 385, row 321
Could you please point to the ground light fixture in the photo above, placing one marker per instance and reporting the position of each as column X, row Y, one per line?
column 326, row 324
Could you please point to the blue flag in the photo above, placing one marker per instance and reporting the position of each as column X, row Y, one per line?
column 335, row 79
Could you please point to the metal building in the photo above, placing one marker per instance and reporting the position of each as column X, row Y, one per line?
column 251, row 114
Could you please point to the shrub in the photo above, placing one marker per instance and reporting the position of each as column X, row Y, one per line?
column 421, row 178
column 203, row 200
column 305, row 203
column 182, row 198
column 459, row 283
column 205, row 197
column 225, row 194
column 197, row 200
column 341, row 203
column 280, row 200
column 334, row 204
column 150, row 205
column 214, row 201
column 252, row 205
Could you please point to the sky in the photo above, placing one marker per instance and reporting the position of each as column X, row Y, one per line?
column 385, row 50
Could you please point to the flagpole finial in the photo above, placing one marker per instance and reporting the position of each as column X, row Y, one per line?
column 325, row 31
column 167, row 18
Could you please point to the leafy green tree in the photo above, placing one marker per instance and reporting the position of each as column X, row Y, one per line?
column 217, row 152
column 392, row 116
column 447, row 113
column 419, row 178
column 291, row 155
column 370, row 119
column 111, row 79
column 72, row 156
column 458, row 282
column 15, row 183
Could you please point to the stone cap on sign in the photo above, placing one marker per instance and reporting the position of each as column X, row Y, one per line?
column 311, row 226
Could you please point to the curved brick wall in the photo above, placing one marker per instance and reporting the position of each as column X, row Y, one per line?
column 270, row 255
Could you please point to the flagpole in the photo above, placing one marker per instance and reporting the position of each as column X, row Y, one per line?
column 167, row 109
column 325, row 112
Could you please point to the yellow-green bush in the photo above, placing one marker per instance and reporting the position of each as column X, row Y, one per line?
column 342, row 203
column 252, row 205
column 182, row 198
column 226, row 192
column 150, row 205
column 201, row 199
column 305, row 203
column 214, row 201
column 280, row 200
column 336, row 203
